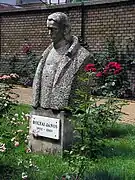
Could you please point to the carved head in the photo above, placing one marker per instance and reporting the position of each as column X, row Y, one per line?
column 59, row 27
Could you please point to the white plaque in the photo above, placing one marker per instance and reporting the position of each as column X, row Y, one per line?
column 45, row 126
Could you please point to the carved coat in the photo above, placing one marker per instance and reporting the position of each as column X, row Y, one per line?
column 69, row 65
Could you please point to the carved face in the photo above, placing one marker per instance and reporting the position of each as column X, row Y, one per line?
column 55, row 31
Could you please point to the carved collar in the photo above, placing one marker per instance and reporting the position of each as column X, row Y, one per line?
column 74, row 47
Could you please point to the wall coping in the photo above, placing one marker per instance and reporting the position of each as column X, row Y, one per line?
column 61, row 6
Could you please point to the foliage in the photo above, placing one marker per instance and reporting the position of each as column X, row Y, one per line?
column 112, row 77
column 27, row 71
column 7, row 96
column 14, row 145
column 110, row 80
column 91, row 116
column 25, row 66
column 118, row 156
column 117, row 160
column 13, row 134
column 16, row 159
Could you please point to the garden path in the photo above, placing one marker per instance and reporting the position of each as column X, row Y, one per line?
column 25, row 96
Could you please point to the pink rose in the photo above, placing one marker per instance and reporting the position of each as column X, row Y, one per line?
column 16, row 143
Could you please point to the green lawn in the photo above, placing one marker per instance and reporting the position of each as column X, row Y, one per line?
column 116, row 163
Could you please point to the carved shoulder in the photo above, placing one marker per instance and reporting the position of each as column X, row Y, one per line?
column 83, row 57
column 46, row 51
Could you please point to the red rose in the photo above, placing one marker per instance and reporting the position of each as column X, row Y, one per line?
column 99, row 74
column 112, row 67
column 90, row 67
column 105, row 71
column 110, row 64
column 116, row 71
column 93, row 69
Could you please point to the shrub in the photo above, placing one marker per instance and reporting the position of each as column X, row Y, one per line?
column 24, row 66
column 13, row 134
column 91, row 117
column 112, row 77
column 7, row 97
column 14, row 147
column 27, row 70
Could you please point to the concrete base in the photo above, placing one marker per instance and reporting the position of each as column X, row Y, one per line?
column 48, row 145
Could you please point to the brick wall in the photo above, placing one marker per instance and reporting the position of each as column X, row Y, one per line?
column 102, row 19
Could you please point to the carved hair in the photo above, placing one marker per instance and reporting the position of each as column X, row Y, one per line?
column 63, row 22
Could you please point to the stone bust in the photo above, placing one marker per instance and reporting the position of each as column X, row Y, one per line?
column 58, row 65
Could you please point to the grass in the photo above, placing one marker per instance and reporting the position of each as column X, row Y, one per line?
column 48, row 166
column 118, row 160
column 116, row 163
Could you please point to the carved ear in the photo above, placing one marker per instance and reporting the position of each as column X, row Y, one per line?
column 66, row 30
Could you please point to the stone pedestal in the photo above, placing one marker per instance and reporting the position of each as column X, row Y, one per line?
column 50, row 145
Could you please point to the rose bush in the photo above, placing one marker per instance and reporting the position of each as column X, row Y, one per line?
column 112, row 68
column 91, row 117
column 7, row 96
column 109, row 79
column 13, row 132
column 14, row 148
column 27, row 71
column 112, row 72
